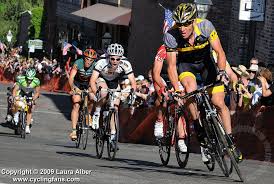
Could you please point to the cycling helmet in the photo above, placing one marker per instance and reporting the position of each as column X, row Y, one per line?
column 185, row 12
column 115, row 50
column 90, row 53
column 30, row 73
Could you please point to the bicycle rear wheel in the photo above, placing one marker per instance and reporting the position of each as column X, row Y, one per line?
column 182, row 157
column 165, row 143
column 112, row 145
column 85, row 128
column 228, row 155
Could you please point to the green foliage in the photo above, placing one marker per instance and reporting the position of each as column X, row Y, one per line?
column 10, row 13
column 36, row 20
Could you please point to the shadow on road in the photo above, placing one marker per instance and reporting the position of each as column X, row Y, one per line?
column 78, row 154
column 61, row 145
column 5, row 134
column 180, row 173
column 62, row 103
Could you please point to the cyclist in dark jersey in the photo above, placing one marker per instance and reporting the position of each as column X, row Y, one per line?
column 194, row 39
column 79, row 80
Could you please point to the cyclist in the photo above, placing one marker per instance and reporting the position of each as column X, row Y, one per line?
column 79, row 80
column 25, row 83
column 160, row 68
column 193, row 39
column 109, row 69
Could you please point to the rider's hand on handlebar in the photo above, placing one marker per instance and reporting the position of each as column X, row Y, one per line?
column 223, row 77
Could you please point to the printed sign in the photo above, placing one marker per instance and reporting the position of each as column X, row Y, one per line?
column 252, row 10
column 37, row 44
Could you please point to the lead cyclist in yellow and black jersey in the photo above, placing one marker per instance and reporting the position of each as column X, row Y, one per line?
column 194, row 39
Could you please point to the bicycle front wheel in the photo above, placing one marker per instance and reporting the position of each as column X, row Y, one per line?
column 100, row 135
column 79, row 131
column 22, row 124
column 165, row 143
column 228, row 158
column 182, row 157
column 85, row 129
column 112, row 144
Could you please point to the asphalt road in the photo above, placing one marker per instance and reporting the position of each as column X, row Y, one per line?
column 47, row 154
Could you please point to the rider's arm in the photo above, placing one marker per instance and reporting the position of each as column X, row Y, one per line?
column 14, row 91
column 217, row 47
column 171, row 57
column 37, row 93
column 172, row 69
column 92, row 82
column 71, row 77
column 156, row 73
column 132, row 80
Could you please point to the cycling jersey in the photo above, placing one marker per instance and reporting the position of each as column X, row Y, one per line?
column 196, row 58
column 161, row 56
column 24, row 88
column 108, row 73
column 83, row 74
column 21, row 81
column 112, row 76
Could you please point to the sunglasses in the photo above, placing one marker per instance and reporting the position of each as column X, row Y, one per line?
column 89, row 59
column 253, row 72
column 113, row 59
column 186, row 24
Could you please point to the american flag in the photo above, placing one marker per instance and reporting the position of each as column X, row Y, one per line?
column 168, row 22
column 79, row 51
column 66, row 48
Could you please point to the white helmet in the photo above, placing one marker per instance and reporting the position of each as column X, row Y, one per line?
column 115, row 50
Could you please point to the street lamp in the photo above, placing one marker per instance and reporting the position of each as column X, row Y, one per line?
column 106, row 40
column 203, row 7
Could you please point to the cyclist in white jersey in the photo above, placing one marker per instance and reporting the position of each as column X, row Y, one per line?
column 107, row 73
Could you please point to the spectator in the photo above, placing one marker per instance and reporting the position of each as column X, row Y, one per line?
column 244, row 96
column 253, row 61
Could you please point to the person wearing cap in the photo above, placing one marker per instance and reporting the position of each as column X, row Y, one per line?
column 253, row 71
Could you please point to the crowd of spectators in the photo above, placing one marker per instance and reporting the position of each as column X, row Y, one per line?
column 250, row 90
column 12, row 64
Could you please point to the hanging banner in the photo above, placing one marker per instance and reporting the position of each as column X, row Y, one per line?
column 252, row 10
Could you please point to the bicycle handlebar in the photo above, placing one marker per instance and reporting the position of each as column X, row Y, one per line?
column 200, row 90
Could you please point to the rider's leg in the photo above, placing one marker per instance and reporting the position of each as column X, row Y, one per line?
column 103, row 94
column 112, row 122
column 188, row 80
column 189, row 83
column 29, row 116
column 76, row 99
column 218, row 101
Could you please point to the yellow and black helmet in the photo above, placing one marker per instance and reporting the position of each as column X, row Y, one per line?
column 185, row 12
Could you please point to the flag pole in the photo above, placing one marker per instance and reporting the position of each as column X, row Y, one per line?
column 161, row 6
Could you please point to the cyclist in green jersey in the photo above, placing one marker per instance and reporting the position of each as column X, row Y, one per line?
column 24, row 84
